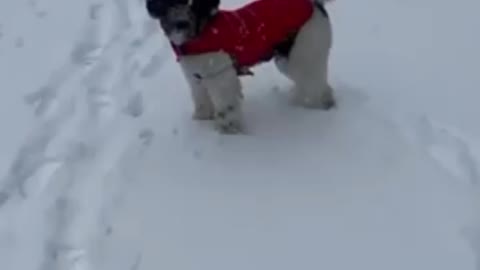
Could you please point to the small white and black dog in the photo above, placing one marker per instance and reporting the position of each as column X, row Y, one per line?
column 215, row 47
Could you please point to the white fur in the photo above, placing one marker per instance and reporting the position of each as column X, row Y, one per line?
column 216, row 88
column 178, row 37
column 307, row 65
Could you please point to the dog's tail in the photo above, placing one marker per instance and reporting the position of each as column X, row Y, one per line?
column 320, row 4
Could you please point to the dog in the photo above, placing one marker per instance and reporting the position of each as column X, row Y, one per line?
column 216, row 47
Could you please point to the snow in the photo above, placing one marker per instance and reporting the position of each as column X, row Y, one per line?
column 102, row 167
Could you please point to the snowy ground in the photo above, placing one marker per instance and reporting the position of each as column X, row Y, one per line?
column 103, row 168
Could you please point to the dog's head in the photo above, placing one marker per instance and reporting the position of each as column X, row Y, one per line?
column 182, row 20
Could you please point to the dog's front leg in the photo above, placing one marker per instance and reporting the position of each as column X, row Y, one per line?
column 225, row 93
column 203, row 106
column 216, row 73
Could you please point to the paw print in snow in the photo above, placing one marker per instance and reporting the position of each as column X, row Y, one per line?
column 135, row 106
column 19, row 42
column 146, row 136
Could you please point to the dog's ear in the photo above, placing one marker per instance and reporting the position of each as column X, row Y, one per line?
column 205, row 8
column 155, row 8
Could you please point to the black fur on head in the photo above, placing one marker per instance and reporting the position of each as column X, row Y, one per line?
column 182, row 20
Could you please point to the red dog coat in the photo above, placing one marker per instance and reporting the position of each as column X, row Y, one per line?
column 249, row 34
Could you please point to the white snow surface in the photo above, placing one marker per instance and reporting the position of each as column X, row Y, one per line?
column 101, row 166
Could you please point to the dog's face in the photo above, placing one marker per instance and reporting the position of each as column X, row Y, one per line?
column 182, row 20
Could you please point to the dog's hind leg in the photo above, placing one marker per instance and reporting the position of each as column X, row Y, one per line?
column 312, row 89
column 308, row 63
column 282, row 53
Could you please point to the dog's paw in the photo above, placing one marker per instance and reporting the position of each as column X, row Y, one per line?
column 326, row 101
column 203, row 113
column 231, row 128
column 229, row 120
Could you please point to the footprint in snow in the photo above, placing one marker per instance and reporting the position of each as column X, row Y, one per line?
column 122, row 15
column 146, row 135
column 109, row 230
column 175, row 132
column 41, row 14
column 136, row 263
column 197, row 154
column 94, row 11
column 87, row 49
column 135, row 106
column 455, row 153
column 41, row 99
column 4, row 196
column 153, row 66
column 450, row 150
column 19, row 42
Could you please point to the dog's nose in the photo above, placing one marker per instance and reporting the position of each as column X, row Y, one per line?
column 182, row 25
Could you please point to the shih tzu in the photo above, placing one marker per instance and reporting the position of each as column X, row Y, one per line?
column 215, row 47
